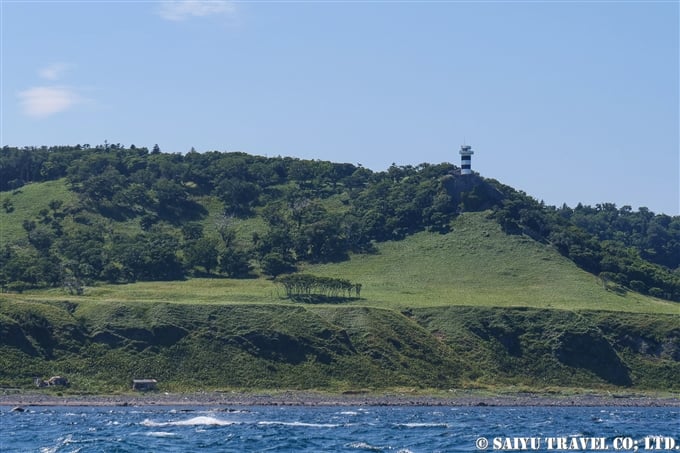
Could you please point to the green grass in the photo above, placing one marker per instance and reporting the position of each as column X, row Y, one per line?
column 27, row 202
column 474, row 265
column 477, row 264
column 192, row 291
column 101, row 345
column 474, row 308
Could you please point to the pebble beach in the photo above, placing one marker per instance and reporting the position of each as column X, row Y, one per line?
column 306, row 398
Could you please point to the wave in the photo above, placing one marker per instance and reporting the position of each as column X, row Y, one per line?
column 301, row 424
column 421, row 425
column 202, row 420
column 365, row 446
column 161, row 434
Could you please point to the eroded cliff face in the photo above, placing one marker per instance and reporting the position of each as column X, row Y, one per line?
column 268, row 346
column 562, row 348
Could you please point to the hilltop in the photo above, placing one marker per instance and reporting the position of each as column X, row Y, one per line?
column 77, row 215
column 119, row 263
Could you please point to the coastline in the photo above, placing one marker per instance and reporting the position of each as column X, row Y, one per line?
column 306, row 398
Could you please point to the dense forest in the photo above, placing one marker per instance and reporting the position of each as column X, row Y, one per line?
column 143, row 215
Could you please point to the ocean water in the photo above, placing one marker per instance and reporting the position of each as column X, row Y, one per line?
column 338, row 429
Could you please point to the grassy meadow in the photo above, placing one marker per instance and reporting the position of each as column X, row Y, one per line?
column 27, row 202
column 476, row 264
column 473, row 308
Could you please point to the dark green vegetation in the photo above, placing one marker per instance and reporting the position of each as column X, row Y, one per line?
column 310, row 288
column 102, row 346
column 120, row 215
column 119, row 263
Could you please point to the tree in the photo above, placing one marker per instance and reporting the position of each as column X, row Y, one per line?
column 7, row 205
column 201, row 252
column 322, row 241
column 148, row 256
column 311, row 288
column 41, row 238
column 55, row 205
column 173, row 201
column 238, row 196
column 160, row 259
column 234, row 263
column 225, row 228
column 275, row 264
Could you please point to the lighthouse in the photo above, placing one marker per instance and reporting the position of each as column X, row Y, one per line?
column 466, row 159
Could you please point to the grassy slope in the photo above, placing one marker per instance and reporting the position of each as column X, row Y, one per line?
column 101, row 346
column 429, row 317
column 27, row 203
column 476, row 264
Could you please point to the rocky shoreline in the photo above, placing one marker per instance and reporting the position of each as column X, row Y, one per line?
column 299, row 398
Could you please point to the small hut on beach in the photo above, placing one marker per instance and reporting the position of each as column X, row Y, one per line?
column 144, row 385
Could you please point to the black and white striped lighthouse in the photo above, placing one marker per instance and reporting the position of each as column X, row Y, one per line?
column 466, row 159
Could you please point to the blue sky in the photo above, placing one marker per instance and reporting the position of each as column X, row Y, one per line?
column 569, row 101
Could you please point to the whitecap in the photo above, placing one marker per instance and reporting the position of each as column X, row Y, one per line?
column 60, row 441
column 349, row 413
column 160, row 434
column 364, row 446
column 202, row 420
column 301, row 424
column 422, row 425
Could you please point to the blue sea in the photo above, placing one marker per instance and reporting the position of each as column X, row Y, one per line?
column 338, row 429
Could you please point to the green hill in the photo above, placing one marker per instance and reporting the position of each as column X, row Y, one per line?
column 470, row 308
column 477, row 264
column 119, row 263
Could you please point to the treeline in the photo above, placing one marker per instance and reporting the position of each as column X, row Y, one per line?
column 141, row 215
column 638, row 250
column 307, row 287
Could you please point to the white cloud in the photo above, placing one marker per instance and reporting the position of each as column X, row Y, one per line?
column 53, row 71
column 41, row 102
column 182, row 9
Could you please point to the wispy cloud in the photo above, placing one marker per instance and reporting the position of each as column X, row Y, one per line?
column 178, row 10
column 41, row 102
column 53, row 71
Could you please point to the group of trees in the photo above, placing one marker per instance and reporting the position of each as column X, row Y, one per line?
column 80, row 249
column 144, row 215
column 638, row 250
column 308, row 287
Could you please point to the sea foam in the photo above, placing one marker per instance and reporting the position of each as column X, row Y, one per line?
column 195, row 421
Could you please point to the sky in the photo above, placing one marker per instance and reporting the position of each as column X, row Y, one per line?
column 569, row 101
